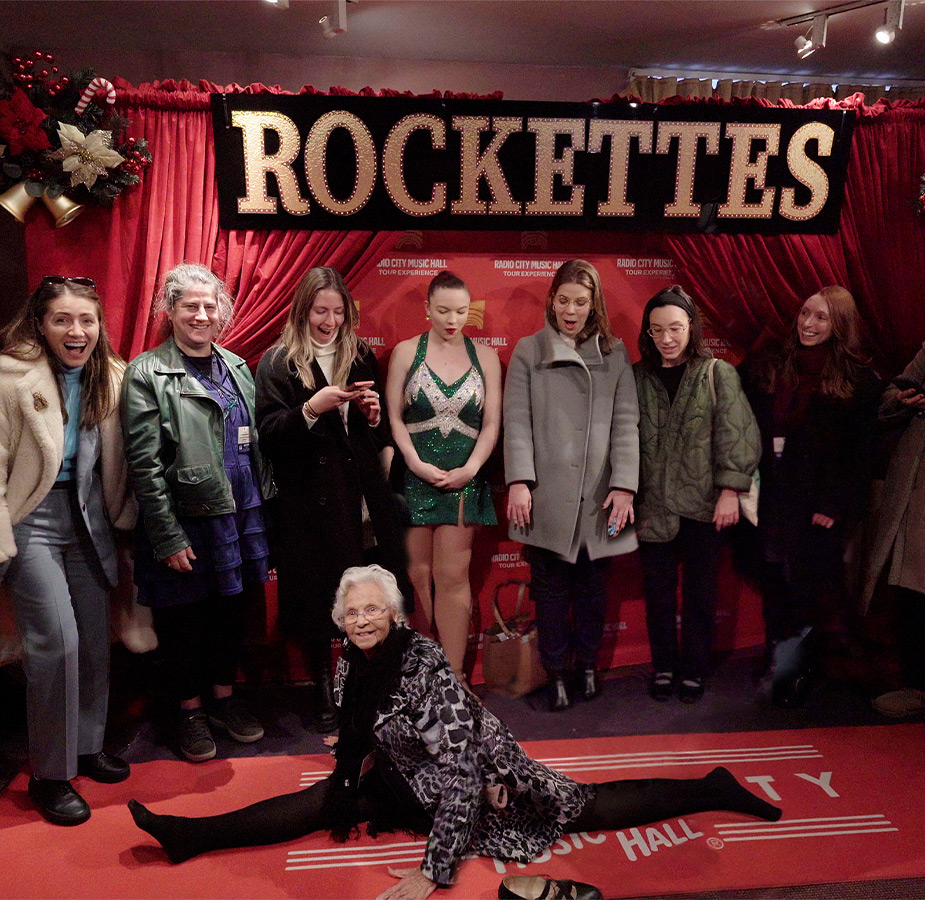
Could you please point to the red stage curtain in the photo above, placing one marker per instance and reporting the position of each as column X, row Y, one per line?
column 750, row 283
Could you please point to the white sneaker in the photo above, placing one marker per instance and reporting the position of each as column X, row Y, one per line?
column 900, row 704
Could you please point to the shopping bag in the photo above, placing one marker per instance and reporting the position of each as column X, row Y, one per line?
column 510, row 655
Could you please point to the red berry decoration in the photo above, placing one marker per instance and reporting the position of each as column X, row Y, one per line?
column 37, row 54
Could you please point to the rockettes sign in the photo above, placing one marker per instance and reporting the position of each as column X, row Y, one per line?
column 324, row 162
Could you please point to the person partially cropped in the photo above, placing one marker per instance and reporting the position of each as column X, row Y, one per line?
column 63, row 489
column 897, row 548
column 571, row 461
column 324, row 429
column 417, row 752
column 201, row 479
column 699, row 445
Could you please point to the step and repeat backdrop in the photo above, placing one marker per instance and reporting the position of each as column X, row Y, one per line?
column 508, row 290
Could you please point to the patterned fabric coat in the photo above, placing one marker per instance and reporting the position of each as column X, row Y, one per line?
column 691, row 449
column 456, row 756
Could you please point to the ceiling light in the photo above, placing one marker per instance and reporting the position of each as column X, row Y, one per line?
column 282, row 4
column 892, row 20
column 814, row 39
column 334, row 24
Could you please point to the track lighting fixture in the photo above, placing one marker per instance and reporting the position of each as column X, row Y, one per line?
column 892, row 21
column 336, row 23
column 814, row 39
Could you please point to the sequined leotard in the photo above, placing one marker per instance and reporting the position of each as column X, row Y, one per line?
column 444, row 421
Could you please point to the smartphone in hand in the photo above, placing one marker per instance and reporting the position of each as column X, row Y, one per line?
column 358, row 386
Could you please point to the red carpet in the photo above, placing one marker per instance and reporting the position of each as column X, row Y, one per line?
column 852, row 800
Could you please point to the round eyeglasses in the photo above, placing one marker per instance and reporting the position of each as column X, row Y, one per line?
column 674, row 330
column 371, row 613
column 563, row 303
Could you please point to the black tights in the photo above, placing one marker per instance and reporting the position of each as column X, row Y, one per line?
column 616, row 805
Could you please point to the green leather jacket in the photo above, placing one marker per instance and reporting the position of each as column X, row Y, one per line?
column 174, row 438
column 691, row 449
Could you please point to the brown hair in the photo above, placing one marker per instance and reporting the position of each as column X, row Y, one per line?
column 696, row 345
column 23, row 339
column 445, row 281
column 846, row 355
column 577, row 271
column 296, row 337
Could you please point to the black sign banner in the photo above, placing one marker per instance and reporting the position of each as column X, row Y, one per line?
column 328, row 162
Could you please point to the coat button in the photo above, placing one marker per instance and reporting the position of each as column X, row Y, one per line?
column 322, row 501
column 322, row 460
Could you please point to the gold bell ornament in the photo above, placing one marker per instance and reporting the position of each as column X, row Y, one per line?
column 17, row 200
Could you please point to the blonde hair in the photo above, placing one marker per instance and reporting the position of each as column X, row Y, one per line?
column 296, row 337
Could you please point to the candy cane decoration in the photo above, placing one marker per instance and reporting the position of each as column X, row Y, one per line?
column 97, row 86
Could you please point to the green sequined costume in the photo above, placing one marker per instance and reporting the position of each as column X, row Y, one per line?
column 444, row 421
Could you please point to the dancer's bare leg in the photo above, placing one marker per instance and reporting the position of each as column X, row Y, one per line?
column 452, row 593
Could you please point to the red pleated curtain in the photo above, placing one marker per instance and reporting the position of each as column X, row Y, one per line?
column 745, row 283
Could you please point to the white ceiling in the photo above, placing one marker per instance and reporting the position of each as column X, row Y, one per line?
column 696, row 35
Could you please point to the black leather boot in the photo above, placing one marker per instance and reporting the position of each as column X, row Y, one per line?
column 325, row 710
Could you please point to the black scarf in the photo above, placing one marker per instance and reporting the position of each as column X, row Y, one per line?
column 369, row 683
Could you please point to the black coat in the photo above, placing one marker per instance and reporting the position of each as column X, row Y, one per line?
column 321, row 475
column 826, row 462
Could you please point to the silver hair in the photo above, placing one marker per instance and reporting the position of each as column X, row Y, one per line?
column 187, row 275
column 369, row 575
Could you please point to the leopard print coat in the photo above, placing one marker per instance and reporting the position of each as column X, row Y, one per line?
column 486, row 796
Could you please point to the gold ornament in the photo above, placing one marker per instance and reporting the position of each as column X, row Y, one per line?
column 16, row 201
column 63, row 209
column 86, row 157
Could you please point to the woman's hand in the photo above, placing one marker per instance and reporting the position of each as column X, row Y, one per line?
column 180, row 561
column 824, row 521
column 331, row 397
column 519, row 505
column 621, row 509
column 726, row 512
column 368, row 402
column 425, row 471
column 414, row 885
column 912, row 397
column 455, row 479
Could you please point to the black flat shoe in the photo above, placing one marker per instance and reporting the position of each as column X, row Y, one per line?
column 102, row 767
column 538, row 887
column 558, row 694
column 661, row 687
column 58, row 802
column 589, row 687
column 691, row 690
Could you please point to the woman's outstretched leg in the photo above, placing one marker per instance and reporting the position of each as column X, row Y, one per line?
column 272, row 821
column 625, row 804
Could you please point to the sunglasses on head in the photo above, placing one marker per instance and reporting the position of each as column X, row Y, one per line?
column 63, row 279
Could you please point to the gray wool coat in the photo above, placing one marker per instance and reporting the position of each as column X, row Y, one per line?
column 897, row 512
column 571, row 432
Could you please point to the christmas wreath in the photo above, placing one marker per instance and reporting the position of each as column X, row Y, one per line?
column 60, row 137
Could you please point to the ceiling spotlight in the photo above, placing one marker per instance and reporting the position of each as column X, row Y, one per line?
column 814, row 39
column 892, row 21
column 282, row 4
column 334, row 24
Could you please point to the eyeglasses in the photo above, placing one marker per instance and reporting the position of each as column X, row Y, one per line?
column 674, row 330
column 63, row 279
column 563, row 303
column 370, row 613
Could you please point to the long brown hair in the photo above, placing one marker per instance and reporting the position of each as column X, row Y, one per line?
column 23, row 340
column 296, row 337
column 846, row 357
column 577, row 271
column 696, row 345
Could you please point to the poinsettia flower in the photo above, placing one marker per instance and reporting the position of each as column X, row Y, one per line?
column 86, row 157
column 19, row 124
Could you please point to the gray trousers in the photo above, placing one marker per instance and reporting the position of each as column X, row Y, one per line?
column 61, row 602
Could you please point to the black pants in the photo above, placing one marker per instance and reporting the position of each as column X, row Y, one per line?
column 202, row 641
column 570, row 601
column 695, row 549
column 910, row 627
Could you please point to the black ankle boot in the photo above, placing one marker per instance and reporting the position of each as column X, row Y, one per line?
column 325, row 710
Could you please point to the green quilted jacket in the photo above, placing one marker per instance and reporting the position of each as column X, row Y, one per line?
column 690, row 450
